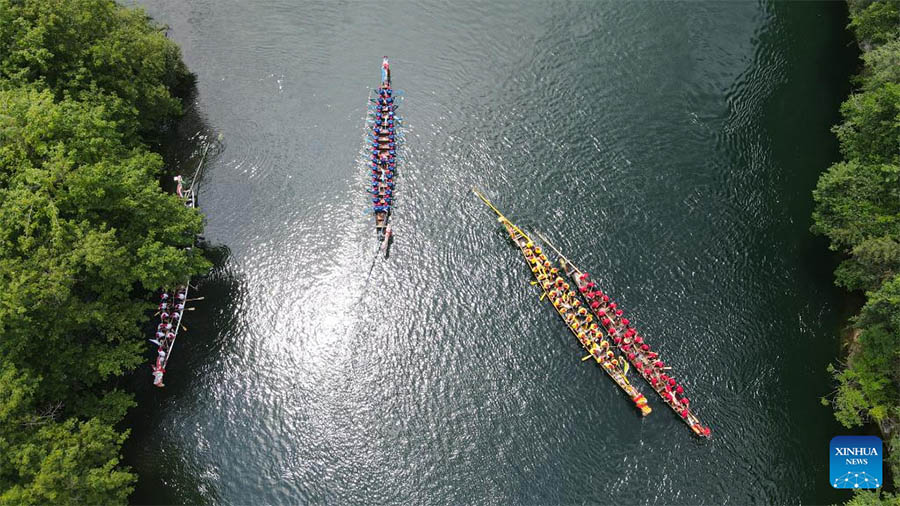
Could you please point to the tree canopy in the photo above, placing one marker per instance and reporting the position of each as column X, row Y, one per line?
column 857, row 206
column 86, row 233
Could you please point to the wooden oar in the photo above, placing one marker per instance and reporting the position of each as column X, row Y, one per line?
column 585, row 358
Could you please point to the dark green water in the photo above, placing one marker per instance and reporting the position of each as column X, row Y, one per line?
column 669, row 148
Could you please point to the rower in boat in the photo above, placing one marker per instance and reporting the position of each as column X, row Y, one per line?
column 562, row 298
column 158, row 373
column 636, row 350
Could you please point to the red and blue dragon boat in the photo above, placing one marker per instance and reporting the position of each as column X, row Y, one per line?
column 383, row 157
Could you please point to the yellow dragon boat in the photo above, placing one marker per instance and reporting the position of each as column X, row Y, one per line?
column 566, row 303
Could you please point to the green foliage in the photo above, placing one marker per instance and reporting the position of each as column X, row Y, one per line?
column 858, row 209
column 870, row 132
column 866, row 390
column 855, row 201
column 71, row 462
column 871, row 262
column 43, row 461
column 850, row 405
column 892, row 457
column 85, row 232
column 94, row 51
column 882, row 306
column 875, row 22
column 873, row 498
column 882, row 66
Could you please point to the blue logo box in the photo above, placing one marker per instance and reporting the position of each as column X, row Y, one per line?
column 855, row 462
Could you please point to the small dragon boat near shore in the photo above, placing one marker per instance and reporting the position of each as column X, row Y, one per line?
column 383, row 157
column 173, row 303
column 633, row 346
column 567, row 305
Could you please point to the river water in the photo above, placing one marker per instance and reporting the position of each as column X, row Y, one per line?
column 668, row 148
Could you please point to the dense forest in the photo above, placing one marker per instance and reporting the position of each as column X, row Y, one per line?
column 86, row 236
column 858, row 209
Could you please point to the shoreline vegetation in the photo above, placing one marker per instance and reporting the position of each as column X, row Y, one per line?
column 87, row 236
column 857, row 207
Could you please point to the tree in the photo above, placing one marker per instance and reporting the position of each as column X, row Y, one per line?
column 96, row 51
column 85, row 233
column 82, row 222
column 882, row 66
column 856, row 201
column 874, row 22
column 857, row 206
column 69, row 463
column 870, row 132
column 873, row 498
column 871, row 263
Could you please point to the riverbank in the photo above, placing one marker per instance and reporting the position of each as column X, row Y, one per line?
column 858, row 209
column 87, row 236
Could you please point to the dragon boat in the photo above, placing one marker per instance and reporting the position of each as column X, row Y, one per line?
column 647, row 362
column 566, row 304
column 173, row 303
column 383, row 156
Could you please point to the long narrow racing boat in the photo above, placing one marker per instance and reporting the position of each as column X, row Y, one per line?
column 173, row 303
column 383, row 157
column 566, row 304
column 647, row 361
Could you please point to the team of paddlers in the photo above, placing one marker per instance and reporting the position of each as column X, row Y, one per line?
column 569, row 306
column 600, row 325
column 383, row 160
column 171, row 309
column 648, row 363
